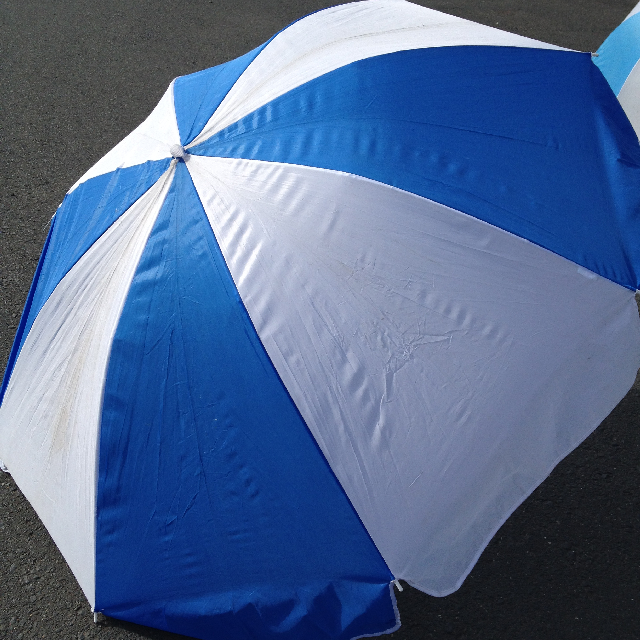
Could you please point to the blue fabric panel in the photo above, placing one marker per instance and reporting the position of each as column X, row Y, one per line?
column 198, row 95
column 530, row 140
column 84, row 215
column 218, row 516
column 619, row 53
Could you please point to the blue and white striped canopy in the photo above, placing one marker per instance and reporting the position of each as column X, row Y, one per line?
column 324, row 320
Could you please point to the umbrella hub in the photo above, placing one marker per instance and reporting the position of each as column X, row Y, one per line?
column 178, row 151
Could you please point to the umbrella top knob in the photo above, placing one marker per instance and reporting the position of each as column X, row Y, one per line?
column 177, row 151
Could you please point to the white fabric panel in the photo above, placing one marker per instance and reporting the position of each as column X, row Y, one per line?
column 633, row 11
column 443, row 365
column 629, row 97
column 49, row 419
column 338, row 36
column 151, row 140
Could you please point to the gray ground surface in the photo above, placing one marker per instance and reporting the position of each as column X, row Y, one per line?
column 76, row 77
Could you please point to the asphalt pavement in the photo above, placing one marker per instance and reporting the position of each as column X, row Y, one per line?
column 76, row 77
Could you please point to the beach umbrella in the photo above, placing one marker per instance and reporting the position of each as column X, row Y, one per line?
column 618, row 59
column 324, row 320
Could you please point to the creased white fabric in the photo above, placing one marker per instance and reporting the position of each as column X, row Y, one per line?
column 151, row 140
column 49, row 419
column 443, row 365
column 338, row 36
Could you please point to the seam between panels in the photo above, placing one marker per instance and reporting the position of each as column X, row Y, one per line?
column 264, row 47
column 384, row 184
column 34, row 285
column 193, row 142
column 16, row 348
column 624, row 84
column 167, row 175
column 293, row 404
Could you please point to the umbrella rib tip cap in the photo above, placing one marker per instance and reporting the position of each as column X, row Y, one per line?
column 178, row 151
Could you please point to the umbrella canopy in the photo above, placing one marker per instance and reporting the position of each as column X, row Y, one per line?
column 324, row 320
column 618, row 59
